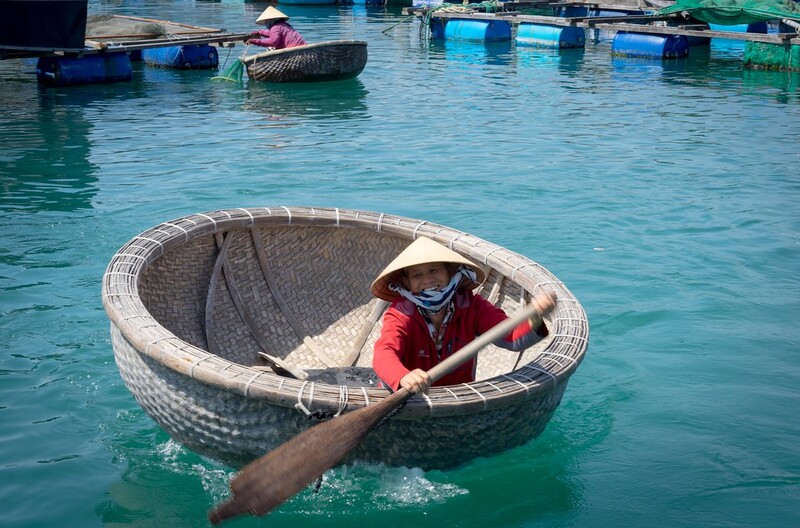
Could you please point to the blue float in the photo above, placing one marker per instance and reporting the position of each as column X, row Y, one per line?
column 88, row 69
column 477, row 30
column 650, row 46
column 307, row 2
column 571, row 11
column 735, row 45
column 436, row 26
column 698, row 41
column 191, row 57
column 549, row 36
column 614, row 12
column 755, row 27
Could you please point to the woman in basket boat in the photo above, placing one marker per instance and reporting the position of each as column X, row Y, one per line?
column 279, row 33
column 434, row 313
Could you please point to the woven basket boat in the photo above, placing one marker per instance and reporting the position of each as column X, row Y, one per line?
column 325, row 61
column 197, row 305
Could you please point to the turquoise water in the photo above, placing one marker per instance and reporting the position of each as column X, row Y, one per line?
column 665, row 195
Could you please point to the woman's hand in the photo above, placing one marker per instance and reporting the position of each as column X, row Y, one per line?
column 416, row 382
column 544, row 303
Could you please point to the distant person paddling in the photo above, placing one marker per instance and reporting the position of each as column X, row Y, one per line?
column 278, row 35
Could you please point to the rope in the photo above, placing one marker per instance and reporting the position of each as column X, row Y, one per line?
column 321, row 415
column 343, row 396
column 489, row 6
column 233, row 72
column 406, row 19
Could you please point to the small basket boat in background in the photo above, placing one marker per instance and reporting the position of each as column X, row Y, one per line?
column 232, row 327
column 325, row 61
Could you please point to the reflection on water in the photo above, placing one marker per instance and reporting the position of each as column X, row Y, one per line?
column 709, row 66
column 44, row 143
column 337, row 99
column 781, row 86
column 567, row 60
column 481, row 53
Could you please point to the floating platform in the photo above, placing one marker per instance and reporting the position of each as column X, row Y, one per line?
column 635, row 33
column 91, row 69
column 113, row 41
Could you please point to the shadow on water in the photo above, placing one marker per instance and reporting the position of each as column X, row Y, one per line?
column 363, row 492
column 334, row 100
column 158, row 470
column 45, row 144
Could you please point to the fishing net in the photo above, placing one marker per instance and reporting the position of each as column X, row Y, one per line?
column 734, row 12
column 231, row 73
column 108, row 26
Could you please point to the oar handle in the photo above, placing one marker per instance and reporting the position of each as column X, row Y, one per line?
column 473, row 347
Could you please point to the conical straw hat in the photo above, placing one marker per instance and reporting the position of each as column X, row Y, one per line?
column 270, row 13
column 422, row 251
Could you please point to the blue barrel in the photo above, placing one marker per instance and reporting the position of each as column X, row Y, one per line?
column 437, row 28
column 548, row 36
column 193, row 57
column 477, row 30
column 307, row 2
column 699, row 41
column 614, row 12
column 88, row 69
column 649, row 45
column 755, row 27
column 571, row 11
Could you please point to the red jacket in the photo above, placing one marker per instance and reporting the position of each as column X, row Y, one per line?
column 280, row 35
column 405, row 342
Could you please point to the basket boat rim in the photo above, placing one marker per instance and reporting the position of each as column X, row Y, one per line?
column 128, row 315
column 295, row 50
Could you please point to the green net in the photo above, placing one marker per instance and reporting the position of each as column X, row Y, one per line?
column 760, row 55
column 733, row 12
column 232, row 73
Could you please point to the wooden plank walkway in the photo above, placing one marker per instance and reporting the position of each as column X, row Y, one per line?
column 177, row 34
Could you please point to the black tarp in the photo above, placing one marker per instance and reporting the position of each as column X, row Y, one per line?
column 58, row 24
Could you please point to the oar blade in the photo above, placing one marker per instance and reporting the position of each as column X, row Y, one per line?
column 269, row 481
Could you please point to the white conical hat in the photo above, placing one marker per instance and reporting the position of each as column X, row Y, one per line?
column 422, row 251
column 270, row 13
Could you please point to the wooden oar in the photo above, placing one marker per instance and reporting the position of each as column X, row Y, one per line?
column 277, row 476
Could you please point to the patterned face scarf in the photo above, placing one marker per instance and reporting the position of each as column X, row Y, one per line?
column 434, row 301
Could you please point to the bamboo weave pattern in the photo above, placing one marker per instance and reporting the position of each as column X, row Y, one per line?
column 325, row 61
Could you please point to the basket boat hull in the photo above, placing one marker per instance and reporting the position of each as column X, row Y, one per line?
column 324, row 61
column 193, row 301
